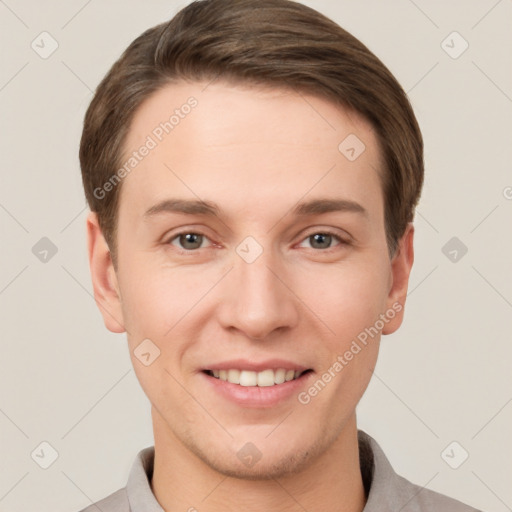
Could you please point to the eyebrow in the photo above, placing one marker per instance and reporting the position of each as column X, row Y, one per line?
column 196, row 207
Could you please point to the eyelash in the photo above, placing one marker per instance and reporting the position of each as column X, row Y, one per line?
column 342, row 241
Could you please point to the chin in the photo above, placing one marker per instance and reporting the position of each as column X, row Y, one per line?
column 262, row 459
column 278, row 467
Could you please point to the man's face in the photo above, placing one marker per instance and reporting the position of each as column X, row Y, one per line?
column 260, row 286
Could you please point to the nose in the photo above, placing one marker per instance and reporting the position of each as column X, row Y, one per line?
column 258, row 297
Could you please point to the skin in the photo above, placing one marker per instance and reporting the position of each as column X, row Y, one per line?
column 256, row 153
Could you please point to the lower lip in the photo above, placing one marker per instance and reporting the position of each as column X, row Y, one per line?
column 256, row 396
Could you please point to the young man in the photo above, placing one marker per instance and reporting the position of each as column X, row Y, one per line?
column 252, row 171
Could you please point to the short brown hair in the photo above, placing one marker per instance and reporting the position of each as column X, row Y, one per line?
column 276, row 43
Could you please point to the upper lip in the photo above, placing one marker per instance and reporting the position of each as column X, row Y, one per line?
column 244, row 364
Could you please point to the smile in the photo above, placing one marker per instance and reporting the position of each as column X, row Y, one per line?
column 264, row 378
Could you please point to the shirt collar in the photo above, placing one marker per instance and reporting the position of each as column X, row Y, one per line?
column 379, row 479
column 138, row 488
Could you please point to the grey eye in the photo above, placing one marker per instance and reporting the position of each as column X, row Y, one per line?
column 321, row 240
column 188, row 241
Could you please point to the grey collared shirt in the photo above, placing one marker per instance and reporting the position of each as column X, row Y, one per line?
column 386, row 491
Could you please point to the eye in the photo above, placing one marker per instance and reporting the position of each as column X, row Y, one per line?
column 323, row 239
column 188, row 240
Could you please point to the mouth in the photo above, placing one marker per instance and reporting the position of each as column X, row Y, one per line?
column 249, row 383
column 265, row 378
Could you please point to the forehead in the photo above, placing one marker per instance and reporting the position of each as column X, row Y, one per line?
column 261, row 142
column 217, row 106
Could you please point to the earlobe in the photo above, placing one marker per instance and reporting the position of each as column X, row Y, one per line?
column 401, row 266
column 103, row 275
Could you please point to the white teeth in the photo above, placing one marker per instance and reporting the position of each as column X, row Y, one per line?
column 264, row 378
column 248, row 378
column 290, row 374
column 234, row 376
column 279, row 376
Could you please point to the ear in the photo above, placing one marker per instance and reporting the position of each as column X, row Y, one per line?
column 401, row 266
column 104, row 279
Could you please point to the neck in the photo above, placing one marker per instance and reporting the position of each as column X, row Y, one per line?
column 331, row 483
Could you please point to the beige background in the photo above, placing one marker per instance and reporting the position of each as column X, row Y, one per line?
column 445, row 376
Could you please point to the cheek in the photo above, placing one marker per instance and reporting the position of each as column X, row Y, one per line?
column 155, row 298
column 348, row 298
column 160, row 383
column 350, row 304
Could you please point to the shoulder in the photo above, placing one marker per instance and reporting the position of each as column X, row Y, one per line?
column 115, row 502
column 137, row 494
column 388, row 490
column 419, row 499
